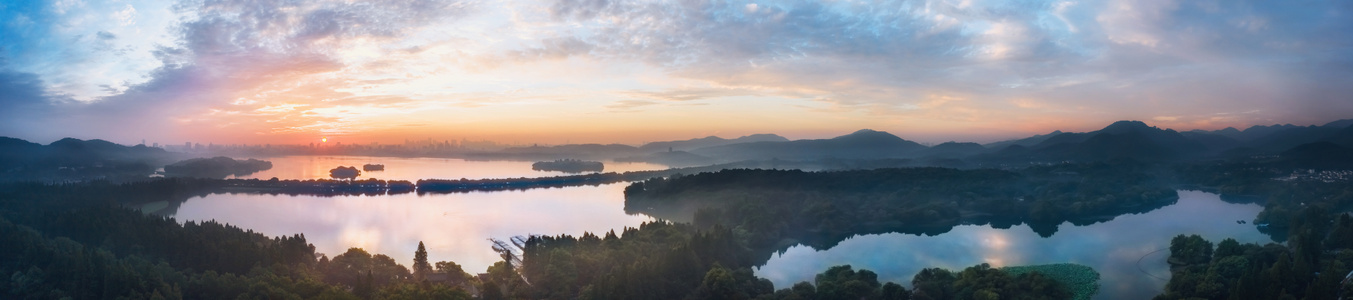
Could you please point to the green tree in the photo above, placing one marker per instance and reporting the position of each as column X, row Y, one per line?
column 1189, row 250
column 932, row 283
column 421, row 268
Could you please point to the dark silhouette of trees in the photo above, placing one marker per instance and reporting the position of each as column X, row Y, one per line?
column 421, row 268
column 216, row 167
column 820, row 209
column 342, row 172
column 78, row 241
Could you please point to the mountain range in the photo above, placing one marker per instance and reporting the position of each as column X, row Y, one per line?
column 70, row 158
column 709, row 141
column 864, row 143
column 1120, row 140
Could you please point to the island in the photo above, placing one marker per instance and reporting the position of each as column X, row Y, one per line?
column 568, row 166
column 215, row 167
column 342, row 172
column 373, row 167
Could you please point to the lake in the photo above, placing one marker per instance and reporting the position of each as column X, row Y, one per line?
column 415, row 168
column 453, row 227
column 456, row 226
column 1113, row 248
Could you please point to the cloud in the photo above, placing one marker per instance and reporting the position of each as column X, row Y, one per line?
column 127, row 15
column 689, row 94
column 1110, row 55
column 554, row 48
column 231, row 57
column 21, row 94
column 226, row 66
column 628, row 105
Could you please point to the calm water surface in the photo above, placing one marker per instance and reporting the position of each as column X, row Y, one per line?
column 1113, row 248
column 413, row 169
column 454, row 227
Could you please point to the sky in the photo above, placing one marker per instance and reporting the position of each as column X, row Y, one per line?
column 599, row 71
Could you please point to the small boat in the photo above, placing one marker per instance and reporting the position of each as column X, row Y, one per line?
column 373, row 167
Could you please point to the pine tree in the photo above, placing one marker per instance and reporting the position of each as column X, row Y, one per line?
column 420, row 263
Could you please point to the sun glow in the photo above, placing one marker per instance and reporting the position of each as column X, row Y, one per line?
column 324, row 139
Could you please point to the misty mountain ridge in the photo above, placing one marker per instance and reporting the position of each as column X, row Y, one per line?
column 1343, row 137
column 74, row 159
column 566, row 148
column 709, row 141
column 71, row 150
column 1120, row 140
column 865, row 143
column 1024, row 142
column 1259, row 131
column 675, row 158
column 1319, row 155
column 953, row 149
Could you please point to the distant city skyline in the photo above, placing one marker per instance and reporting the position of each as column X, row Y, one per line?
column 591, row 71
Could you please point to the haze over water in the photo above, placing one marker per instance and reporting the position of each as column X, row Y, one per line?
column 413, row 169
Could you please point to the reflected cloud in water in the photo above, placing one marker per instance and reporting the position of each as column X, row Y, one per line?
column 1113, row 248
column 454, row 227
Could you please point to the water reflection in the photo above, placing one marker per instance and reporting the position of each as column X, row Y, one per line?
column 413, row 169
column 1113, row 248
column 453, row 227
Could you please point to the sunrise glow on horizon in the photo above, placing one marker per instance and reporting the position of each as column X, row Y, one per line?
column 590, row 71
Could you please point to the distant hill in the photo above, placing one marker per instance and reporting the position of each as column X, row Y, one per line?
column 215, row 167
column 863, row 144
column 1024, row 142
column 1213, row 142
column 15, row 152
column 1257, row 132
column 953, row 150
column 1343, row 137
column 672, row 159
column 1319, row 155
column 1291, row 137
column 74, row 159
column 1345, row 123
column 1122, row 139
column 1134, row 145
column 571, row 148
column 709, row 141
column 570, row 151
column 75, row 151
column 1061, row 139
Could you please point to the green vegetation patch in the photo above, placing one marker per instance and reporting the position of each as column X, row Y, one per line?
column 1082, row 280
